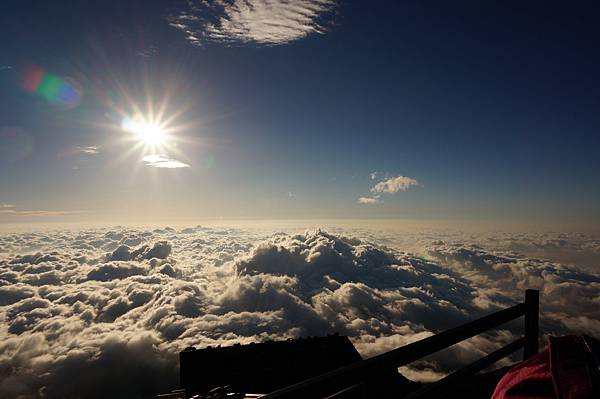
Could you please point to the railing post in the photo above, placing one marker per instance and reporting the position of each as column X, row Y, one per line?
column 532, row 308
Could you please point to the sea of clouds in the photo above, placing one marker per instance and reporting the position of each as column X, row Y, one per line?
column 103, row 312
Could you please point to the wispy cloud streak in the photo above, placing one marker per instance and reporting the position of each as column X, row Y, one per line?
column 253, row 21
column 369, row 200
column 162, row 161
column 37, row 213
column 90, row 149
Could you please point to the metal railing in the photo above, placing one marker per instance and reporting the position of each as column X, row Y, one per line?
column 337, row 382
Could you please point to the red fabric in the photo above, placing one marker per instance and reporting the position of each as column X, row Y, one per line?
column 559, row 372
column 529, row 379
column 569, row 359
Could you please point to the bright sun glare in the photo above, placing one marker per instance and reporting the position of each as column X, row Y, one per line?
column 151, row 136
column 148, row 133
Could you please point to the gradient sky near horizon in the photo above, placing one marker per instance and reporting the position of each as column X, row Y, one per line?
column 312, row 108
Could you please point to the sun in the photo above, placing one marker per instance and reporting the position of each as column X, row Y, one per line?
column 153, row 134
column 147, row 133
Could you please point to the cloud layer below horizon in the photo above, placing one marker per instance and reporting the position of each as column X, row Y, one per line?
column 118, row 304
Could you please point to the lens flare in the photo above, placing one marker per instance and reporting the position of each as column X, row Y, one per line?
column 56, row 90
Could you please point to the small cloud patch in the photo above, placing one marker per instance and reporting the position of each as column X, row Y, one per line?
column 389, row 185
column 162, row 161
column 395, row 184
column 90, row 150
column 369, row 200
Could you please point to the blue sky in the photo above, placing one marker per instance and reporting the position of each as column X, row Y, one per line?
column 490, row 109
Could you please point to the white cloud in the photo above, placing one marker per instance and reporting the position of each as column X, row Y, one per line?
column 388, row 186
column 369, row 200
column 47, row 213
column 90, row 149
column 162, row 161
column 9, row 209
column 99, row 302
column 256, row 21
column 6, row 208
column 395, row 184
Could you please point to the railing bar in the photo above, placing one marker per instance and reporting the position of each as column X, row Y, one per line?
column 401, row 356
column 450, row 337
column 332, row 396
column 470, row 369
column 532, row 305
